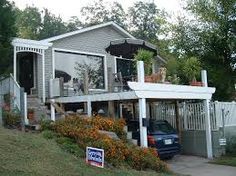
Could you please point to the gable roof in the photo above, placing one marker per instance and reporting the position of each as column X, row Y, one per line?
column 117, row 27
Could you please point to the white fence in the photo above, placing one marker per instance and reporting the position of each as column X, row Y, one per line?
column 192, row 115
column 8, row 86
column 12, row 97
column 229, row 109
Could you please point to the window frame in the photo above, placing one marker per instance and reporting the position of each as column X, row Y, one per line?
column 54, row 50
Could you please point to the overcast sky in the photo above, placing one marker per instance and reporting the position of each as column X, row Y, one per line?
column 68, row 8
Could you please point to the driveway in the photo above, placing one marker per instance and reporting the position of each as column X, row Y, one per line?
column 197, row 166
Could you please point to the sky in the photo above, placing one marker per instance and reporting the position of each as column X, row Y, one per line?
column 68, row 8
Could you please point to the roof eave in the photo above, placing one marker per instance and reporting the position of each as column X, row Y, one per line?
column 51, row 39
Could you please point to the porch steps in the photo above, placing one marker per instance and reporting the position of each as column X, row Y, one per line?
column 130, row 137
column 40, row 110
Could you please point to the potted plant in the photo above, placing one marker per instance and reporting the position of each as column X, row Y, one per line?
column 147, row 58
column 30, row 114
column 192, row 69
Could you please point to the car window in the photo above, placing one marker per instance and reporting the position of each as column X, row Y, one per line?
column 161, row 127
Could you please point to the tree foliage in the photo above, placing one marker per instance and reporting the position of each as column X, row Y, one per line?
column 211, row 37
column 7, row 31
column 100, row 12
column 143, row 20
column 29, row 23
column 35, row 24
column 74, row 24
column 52, row 25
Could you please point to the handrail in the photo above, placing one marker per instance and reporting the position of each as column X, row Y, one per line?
column 15, row 81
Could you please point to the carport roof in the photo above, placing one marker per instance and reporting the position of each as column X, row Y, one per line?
column 146, row 90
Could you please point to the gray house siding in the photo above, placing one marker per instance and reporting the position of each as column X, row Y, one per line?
column 93, row 41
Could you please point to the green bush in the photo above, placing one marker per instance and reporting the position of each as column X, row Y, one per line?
column 70, row 146
column 46, row 124
column 231, row 146
column 11, row 119
column 48, row 134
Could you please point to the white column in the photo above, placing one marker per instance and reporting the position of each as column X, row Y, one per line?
column 43, row 76
column 207, row 118
column 25, row 110
column 89, row 109
column 142, row 107
column 121, row 111
column 142, row 115
column 53, row 117
column 53, row 63
column 140, row 71
column 14, row 64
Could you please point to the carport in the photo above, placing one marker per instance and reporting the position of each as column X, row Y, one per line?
column 143, row 92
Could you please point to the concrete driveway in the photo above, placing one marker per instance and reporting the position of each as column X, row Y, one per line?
column 197, row 166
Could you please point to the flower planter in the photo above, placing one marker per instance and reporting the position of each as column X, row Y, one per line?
column 148, row 79
column 196, row 83
column 30, row 115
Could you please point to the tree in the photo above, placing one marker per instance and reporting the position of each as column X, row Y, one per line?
column 52, row 25
column 28, row 23
column 98, row 12
column 73, row 24
column 211, row 38
column 7, row 31
column 143, row 20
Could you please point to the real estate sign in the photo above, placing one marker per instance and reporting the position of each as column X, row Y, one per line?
column 95, row 156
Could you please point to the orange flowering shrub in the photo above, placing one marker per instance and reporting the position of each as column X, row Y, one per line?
column 110, row 124
column 143, row 158
column 116, row 151
column 85, row 132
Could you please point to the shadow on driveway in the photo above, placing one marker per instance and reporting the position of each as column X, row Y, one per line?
column 197, row 166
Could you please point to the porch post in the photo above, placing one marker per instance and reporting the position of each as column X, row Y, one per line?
column 207, row 118
column 89, row 109
column 142, row 116
column 14, row 64
column 1, row 103
column 43, row 76
column 142, row 107
column 25, row 109
column 53, row 118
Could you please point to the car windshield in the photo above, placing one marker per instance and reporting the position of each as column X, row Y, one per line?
column 161, row 127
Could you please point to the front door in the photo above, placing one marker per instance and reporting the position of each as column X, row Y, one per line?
column 26, row 71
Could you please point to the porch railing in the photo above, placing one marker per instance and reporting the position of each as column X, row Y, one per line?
column 12, row 96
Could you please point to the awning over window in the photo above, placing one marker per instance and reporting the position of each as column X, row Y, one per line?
column 126, row 48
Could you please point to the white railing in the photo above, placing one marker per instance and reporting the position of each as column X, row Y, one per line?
column 8, row 86
column 192, row 115
column 229, row 109
column 165, row 112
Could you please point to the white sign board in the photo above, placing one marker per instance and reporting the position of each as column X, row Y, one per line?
column 95, row 157
column 222, row 141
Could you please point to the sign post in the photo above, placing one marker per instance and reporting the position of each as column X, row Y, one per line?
column 95, row 157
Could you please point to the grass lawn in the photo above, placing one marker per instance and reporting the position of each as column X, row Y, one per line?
column 225, row 160
column 24, row 154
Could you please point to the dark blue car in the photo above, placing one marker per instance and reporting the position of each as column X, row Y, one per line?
column 163, row 137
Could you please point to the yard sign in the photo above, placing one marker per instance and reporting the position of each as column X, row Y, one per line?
column 95, row 156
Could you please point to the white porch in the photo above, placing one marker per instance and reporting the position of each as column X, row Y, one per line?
column 142, row 92
column 37, row 61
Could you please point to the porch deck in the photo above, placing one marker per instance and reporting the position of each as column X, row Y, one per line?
column 145, row 90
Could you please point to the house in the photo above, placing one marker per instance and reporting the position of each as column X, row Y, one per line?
column 99, row 51
column 36, row 62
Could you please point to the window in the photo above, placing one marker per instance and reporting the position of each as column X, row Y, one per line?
column 71, row 66
column 126, row 67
